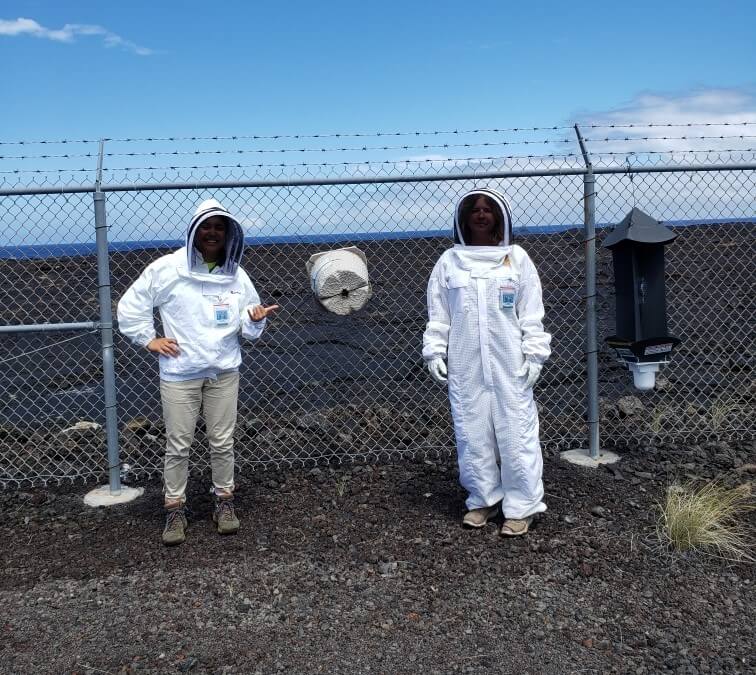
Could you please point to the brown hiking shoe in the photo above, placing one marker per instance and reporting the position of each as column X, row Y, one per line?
column 225, row 516
column 479, row 517
column 516, row 527
column 176, row 523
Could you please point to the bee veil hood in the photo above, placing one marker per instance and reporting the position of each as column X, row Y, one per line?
column 234, row 240
column 500, row 200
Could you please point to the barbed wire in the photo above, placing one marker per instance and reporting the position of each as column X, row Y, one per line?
column 50, row 142
column 370, row 163
column 366, row 163
column 258, row 137
column 240, row 151
column 668, row 124
column 368, row 134
column 629, row 153
column 311, row 165
column 608, row 139
column 450, row 160
column 363, row 148
column 77, row 156
column 443, row 146
column 377, row 134
column 59, row 170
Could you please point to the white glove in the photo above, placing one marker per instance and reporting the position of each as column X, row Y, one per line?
column 531, row 371
column 437, row 369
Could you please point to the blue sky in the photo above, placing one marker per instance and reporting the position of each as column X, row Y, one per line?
column 86, row 70
column 91, row 69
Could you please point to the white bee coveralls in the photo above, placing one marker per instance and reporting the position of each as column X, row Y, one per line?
column 471, row 323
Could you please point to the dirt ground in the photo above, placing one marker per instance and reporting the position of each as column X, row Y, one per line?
column 366, row 569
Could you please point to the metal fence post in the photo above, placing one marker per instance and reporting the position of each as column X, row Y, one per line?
column 106, row 332
column 591, row 344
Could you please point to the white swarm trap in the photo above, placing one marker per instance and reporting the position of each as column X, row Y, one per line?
column 339, row 279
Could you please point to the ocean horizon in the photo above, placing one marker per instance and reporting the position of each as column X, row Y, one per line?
column 41, row 251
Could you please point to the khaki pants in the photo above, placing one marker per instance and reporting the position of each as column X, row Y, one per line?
column 182, row 402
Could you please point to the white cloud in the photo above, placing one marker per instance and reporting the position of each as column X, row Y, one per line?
column 68, row 34
column 716, row 114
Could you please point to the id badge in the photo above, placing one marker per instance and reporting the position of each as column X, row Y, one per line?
column 221, row 314
column 506, row 297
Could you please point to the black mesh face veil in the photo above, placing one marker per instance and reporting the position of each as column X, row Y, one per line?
column 499, row 199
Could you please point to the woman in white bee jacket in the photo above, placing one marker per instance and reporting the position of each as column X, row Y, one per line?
column 485, row 313
column 205, row 300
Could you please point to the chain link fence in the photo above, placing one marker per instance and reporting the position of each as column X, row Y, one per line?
column 708, row 389
column 318, row 388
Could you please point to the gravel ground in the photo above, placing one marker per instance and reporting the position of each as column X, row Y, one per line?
column 366, row 569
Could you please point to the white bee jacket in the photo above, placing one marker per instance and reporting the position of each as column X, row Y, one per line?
column 203, row 311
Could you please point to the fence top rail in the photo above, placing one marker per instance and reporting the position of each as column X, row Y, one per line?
column 357, row 180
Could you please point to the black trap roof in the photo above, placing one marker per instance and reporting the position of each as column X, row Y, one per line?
column 639, row 227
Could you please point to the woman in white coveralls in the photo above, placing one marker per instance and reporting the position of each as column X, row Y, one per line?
column 205, row 300
column 485, row 314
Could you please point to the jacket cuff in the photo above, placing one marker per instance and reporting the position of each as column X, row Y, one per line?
column 143, row 341
column 532, row 358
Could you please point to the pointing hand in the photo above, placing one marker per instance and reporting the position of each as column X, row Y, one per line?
column 260, row 312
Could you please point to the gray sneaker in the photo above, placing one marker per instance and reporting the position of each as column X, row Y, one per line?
column 176, row 523
column 479, row 517
column 225, row 516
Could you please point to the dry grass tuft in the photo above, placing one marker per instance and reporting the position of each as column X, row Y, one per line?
column 659, row 415
column 708, row 517
column 721, row 413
